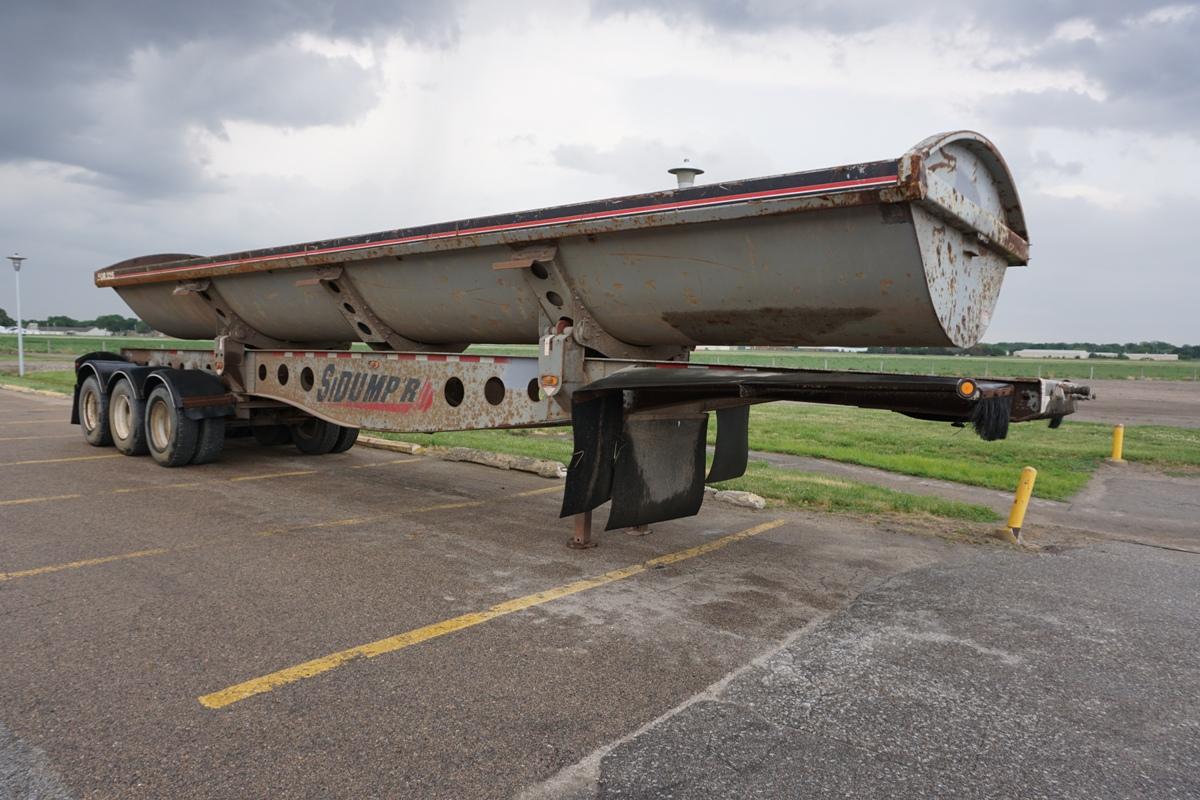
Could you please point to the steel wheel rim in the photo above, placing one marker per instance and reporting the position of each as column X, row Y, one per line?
column 160, row 426
column 91, row 411
column 122, row 416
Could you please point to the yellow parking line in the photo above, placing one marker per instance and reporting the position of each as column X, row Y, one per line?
column 188, row 485
column 25, row 500
column 272, row 475
column 49, row 436
column 57, row 460
column 447, row 506
column 385, row 463
column 25, row 573
column 160, row 487
column 547, row 490
column 341, row 523
column 317, row 666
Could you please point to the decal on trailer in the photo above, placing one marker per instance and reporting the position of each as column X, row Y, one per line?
column 373, row 392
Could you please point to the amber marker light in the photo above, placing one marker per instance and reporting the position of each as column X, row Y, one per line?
column 967, row 388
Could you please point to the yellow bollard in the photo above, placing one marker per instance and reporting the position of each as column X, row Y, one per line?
column 1118, row 448
column 1016, row 517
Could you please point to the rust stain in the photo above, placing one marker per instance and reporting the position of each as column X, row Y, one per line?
column 767, row 326
column 884, row 285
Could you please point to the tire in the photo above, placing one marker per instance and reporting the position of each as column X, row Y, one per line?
column 93, row 413
column 271, row 435
column 314, row 437
column 345, row 439
column 171, row 436
column 127, row 420
column 211, row 441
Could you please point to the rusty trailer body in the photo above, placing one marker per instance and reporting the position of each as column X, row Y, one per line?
column 910, row 251
column 615, row 293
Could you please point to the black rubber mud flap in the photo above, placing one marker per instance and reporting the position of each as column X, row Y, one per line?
column 596, row 425
column 658, row 473
column 990, row 417
column 733, row 445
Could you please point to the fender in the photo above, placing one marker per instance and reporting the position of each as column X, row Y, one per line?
column 102, row 364
column 137, row 376
column 197, row 393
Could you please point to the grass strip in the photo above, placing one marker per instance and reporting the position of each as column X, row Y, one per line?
column 52, row 380
column 824, row 493
column 787, row 486
column 1065, row 458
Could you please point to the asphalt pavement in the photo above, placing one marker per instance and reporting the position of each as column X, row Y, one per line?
column 1065, row 675
column 366, row 624
column 373, row 624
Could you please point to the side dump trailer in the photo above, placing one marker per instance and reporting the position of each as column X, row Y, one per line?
column 615, row 293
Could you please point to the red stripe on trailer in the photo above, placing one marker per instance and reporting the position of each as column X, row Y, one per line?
column 469, row 359
column 859, row 183
column 435, row 357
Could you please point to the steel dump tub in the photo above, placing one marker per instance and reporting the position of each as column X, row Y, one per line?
column 910, row 251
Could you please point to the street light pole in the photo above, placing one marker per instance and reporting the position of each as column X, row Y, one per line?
column 16, row 259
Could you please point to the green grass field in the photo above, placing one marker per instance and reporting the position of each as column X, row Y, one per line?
column 1065, row 458
column 53, row 380
column 78, row 345
column 788, row 486
column 963, row 366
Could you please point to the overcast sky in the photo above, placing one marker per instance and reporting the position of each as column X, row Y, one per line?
column 129, row 128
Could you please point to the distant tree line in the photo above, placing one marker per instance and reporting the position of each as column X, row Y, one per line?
column 114, row 323
column 1004, row 348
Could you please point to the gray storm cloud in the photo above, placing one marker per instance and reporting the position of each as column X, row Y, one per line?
column 114, row 90
column 1141, row 56
column 110, row 113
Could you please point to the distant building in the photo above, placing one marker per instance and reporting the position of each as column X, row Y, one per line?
column 833, row 349
column 1106, row 354
column 1050, row 353
column 54, row 330
column 1152, row 356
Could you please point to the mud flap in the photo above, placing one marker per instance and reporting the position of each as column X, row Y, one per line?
column 733, row 444
column 596, row 426
column 658, row 473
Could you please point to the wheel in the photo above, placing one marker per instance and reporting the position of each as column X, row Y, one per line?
column 271, row 435
column 171, row 436
column 314, row 437
column 345, row 439
column 211, row 441
column 126, row 420
column 93, row 413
